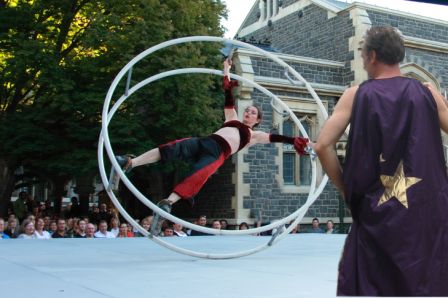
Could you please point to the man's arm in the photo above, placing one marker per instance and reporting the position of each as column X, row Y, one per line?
column 331, row 132
column 442, row 107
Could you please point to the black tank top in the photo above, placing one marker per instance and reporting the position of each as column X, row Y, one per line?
column 243, row 129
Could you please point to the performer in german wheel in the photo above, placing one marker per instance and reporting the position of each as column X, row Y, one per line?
column 209, row 153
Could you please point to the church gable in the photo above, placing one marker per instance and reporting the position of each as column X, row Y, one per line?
column 308, row 32
column 265, row 12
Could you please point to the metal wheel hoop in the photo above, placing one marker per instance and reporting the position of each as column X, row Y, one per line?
column 104, row 141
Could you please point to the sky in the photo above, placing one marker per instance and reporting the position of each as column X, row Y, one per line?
column 238, row 10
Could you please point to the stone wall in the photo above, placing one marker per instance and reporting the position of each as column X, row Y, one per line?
column 410, row 26
column 435, row 63
column 312, row 35
column 312, row 73
column 265, row 192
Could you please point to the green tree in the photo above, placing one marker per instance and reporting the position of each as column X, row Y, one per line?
column 57, row 60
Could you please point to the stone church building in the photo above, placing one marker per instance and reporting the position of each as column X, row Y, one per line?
column 319, row 39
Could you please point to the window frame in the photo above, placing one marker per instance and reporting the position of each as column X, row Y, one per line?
column 300, row 106
column 288, row 149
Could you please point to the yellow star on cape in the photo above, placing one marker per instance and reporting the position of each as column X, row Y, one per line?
column 395, row 186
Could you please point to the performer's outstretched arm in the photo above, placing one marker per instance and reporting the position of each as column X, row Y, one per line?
column 228, row 86
column 331, row 132
column 260, row 137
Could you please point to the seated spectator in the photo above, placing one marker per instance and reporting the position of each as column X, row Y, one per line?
column 216, row 224
column 146, row 224
column 102, row 231
column 330, row 227
column 2, row 229
column 315, row 227
column 123, row 233
column 168, row 231
column 200, row 221
column 70, row 227
column 53, row 227
column 90, row 230
column 178, row 230
column 224, row 224
column 61, row 231
column 31, row 217
column 12, row 230
column 27, row 230
column 130, row 230
column 47, row 221
column 243, row 226
column 40, row 233
column 114, row 226
column 80, row 231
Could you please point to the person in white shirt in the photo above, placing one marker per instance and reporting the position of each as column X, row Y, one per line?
column 114, row 226
column 178, row 230
column 103, row 232
column 40, row 233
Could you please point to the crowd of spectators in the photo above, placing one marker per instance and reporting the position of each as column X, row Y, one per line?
column 30, row 220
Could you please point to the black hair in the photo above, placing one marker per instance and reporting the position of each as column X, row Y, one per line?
column 243, row 224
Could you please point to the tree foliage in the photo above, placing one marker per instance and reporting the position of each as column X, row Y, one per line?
column 58, row 58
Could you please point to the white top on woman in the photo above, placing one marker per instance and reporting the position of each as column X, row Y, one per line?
column 42, row 235
column 25, row 236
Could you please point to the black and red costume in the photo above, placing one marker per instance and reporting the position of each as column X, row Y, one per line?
column 207, row 154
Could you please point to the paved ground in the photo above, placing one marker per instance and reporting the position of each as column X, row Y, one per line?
column 303, row 265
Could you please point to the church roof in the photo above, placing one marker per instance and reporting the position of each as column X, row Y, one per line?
column 333, row 5
column 338, row 4
column 262, row 44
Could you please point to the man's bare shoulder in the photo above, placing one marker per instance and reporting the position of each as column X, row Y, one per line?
column 352, row 90
column 349, row 94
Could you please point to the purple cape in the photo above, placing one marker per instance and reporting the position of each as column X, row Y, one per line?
column 396, row 186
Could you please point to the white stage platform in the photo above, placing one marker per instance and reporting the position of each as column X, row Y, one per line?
column 301, row 265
